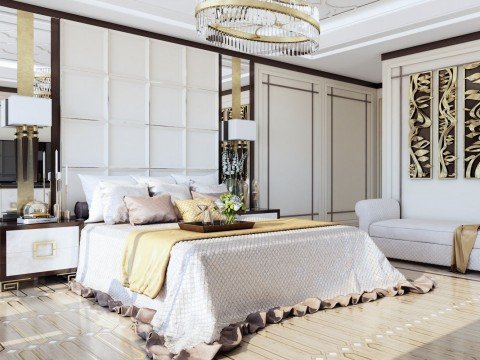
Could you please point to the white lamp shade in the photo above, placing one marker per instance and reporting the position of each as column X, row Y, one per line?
column 19, row 110
column 235, row 129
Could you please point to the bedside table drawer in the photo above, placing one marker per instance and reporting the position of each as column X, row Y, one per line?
column 29, row 263
column 41, row 250
column 19, row 241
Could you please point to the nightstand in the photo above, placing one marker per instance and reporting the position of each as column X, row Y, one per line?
column 31, row 251
column 253, row 214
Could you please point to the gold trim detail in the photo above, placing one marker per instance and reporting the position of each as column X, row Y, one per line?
column 280, row 9
column 260, row 38
column 37, row 244
column 13, row 285
column 472, row 120
column 236, row 87
column 447, row 122
column 420, row 123
column 25, row 63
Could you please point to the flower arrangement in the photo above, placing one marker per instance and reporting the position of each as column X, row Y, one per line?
column 229, row 206
column 233, row 164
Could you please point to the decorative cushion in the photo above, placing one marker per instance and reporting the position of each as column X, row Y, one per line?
column 190, row 211
column 97, row 205
column 150, row 210
column 90, row 182
column 114, row 209
column 210, row 189
column 211, row 196
column 423, row 231
column 210, row 179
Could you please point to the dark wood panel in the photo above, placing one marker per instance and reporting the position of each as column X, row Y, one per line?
column 55, row 71
column 109, row 25
column 432, row 45
column 8, row 89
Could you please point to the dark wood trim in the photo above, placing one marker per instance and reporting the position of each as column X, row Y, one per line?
column 432, row 46
column 4, row 227
column 229, row 92
column 379, row 86
column 55, row 70
column 262, row 211
column 252, row 118
column 8, row 89
column 109, row 25
column 220, row 118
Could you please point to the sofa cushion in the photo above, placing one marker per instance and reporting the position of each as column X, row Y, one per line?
column 427, row 231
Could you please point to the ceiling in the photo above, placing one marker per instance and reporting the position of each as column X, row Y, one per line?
column 354, row 32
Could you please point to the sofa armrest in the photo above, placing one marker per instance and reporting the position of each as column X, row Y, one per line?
column 374, row 210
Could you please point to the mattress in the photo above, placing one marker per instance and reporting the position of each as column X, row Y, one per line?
column 216, row 282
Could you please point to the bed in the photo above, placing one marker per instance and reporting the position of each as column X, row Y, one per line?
column 219, row 288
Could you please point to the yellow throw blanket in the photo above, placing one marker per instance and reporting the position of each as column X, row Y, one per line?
column 463, row 241
column 147, row 253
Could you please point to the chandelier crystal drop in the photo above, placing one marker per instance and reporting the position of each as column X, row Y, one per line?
column 261, row 27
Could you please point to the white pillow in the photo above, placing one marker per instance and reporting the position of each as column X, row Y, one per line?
column 90, row 182
column 176, row 191
column 210, row 189
column 210, row 179
column 147, row 179
column 114, row 209
column 95, row 210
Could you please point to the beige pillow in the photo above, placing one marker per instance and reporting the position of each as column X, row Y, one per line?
column 150, row 210
column 190, row 211
column 211, row 196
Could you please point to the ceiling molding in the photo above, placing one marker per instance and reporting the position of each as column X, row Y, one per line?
column 432, row 46
column 123, row 28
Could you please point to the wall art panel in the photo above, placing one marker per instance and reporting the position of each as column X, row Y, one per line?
column 447, row 122
column 420, row 123
column 472, row 120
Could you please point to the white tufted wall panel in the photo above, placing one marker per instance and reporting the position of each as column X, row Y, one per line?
column 134, row 105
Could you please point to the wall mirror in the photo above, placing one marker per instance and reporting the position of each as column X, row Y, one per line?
column 8, row 86
column 241, row 152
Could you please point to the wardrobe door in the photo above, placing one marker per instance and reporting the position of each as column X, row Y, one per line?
column 290, row 149
column 349, row 139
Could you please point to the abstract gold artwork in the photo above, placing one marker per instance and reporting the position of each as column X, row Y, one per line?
column 472, row 120
column 447, row 122
column 420, row 123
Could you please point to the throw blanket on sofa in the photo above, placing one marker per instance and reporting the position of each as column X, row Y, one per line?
column 463, row 241
column 147, row 253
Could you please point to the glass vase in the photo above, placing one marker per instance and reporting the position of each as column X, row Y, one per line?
column 234, row 186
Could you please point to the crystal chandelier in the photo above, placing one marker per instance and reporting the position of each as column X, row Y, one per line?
column 263, row 27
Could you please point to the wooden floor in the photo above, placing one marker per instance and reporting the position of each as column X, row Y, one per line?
column 49, row 322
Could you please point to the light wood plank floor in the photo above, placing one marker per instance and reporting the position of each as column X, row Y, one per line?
column 49, row 322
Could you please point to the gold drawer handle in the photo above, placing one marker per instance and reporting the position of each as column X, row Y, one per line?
column 37, row 244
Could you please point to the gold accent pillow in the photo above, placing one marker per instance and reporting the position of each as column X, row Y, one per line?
column 190, row 212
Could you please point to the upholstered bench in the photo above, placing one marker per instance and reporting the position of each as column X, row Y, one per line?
column 426, row 241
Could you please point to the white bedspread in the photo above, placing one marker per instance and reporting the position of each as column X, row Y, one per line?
column 213, row 283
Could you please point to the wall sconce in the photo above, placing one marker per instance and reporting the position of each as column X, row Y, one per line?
column 239, row 130
column 19, row 110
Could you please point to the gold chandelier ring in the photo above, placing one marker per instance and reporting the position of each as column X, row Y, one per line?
column 280, row 9
column 260, row 38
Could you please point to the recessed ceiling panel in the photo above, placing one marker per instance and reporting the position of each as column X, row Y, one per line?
column 329, row 8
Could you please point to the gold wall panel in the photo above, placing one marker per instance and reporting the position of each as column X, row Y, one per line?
column 472, row 120
column 227, row 113
column 447, row 122
column 420, row 123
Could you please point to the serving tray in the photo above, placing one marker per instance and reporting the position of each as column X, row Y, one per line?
column 216, row 227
